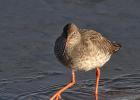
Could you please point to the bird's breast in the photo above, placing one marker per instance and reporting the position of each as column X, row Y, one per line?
column 90, row 60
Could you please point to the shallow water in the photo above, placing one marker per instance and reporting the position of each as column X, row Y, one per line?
column 125, row 87
column 28, row 67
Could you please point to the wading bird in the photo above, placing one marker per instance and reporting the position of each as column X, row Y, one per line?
column 82, row 49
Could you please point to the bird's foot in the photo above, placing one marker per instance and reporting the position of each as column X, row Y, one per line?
column 57, row 96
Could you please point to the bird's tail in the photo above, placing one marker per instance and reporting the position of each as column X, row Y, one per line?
column 116, row 47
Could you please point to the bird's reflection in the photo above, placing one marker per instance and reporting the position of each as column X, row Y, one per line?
column 96, row 96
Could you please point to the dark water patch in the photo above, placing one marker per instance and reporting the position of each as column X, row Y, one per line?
column 52, row 73
column 38, row 77
column 118, row 69
column 21, row 79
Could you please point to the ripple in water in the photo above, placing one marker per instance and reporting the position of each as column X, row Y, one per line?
column 125, row 87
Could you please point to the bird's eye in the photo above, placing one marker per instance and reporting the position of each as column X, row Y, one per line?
column 74, row 32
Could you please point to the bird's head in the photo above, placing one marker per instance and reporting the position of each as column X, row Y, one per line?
column 72, row 34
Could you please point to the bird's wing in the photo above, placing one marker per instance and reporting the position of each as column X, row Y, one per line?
column 99, row 41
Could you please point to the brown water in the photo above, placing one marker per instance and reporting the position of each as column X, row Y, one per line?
column 28, row 67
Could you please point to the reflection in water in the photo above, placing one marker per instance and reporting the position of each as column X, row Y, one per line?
column 96, row 97
column 112, row 89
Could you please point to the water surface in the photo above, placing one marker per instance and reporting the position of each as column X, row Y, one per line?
column 28, row 67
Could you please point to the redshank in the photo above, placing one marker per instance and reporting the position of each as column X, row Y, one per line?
column 82, row 49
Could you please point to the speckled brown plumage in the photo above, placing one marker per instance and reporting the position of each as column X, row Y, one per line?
column 83, row 49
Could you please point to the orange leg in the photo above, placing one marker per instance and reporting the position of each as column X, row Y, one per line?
column 97, row 80
column 57, row 95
